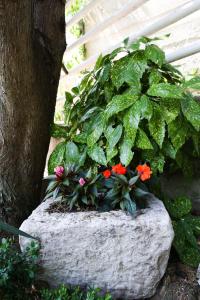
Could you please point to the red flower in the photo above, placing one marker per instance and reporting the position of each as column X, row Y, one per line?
column 107, row 173
column 119, row 169
column 144, row 171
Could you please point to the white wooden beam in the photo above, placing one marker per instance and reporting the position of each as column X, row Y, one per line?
column 80, row 15
column 127, row 9
column 165, row 20
column 68, row 3
column 183, row 52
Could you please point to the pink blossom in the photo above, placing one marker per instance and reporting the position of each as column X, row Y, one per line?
column 82, row 181
column 59, row 171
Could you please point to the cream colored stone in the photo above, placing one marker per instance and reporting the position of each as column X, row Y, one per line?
column 114, row 251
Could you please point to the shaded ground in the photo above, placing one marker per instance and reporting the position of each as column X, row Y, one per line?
column 179, row 283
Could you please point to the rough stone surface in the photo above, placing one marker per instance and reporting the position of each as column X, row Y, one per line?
column 111, row 250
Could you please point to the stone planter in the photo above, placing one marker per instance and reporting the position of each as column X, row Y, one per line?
column 114, row 251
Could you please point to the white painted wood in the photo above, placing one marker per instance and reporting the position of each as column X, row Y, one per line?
column 130, row 7
column 68, row 3
column 165, row 20
column 80, row 15
column 183, row 52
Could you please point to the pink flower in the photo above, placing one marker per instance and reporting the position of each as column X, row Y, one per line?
column 59, row 171
column 82, row 181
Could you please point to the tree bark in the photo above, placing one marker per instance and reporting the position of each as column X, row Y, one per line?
column 32, row 43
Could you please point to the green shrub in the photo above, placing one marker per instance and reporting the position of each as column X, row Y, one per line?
column 186, row 229
column 135, row 108
column 17, row 270
column 67, row 293
column 114, row 188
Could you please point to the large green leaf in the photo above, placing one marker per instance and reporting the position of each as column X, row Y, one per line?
column 113, row 135
column 155, row 54
column 128, row 69
column 13, row 230
column 157, row 125
column 154, row 77
column 97, row 154
column 72, row 154
column 126, row 154
column 131, row 122
column 191, row 110
column 99, row 124
column 59, row 131
column 193, row 83
column 119, row 103
column 170, row 108
column 145, row 107
column 178, row 132
column 57, row 157
column 165, row 90
column 179, row 207
column 111, row 152
column 142, row 140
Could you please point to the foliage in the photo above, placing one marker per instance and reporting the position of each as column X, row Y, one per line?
column 67, row 293
column 17, row 270
column 186, row 228
column 134, row 107
column 113, row 188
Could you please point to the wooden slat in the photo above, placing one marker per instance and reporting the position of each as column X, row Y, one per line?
column 165, row 20
column 80, row 15
column 130, row 7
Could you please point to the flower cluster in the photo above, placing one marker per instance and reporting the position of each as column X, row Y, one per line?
column 144, row 171
column 117, row 169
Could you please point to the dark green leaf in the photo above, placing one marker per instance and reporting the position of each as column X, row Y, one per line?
column 142, row 140
column 97, row 154
column 99, row 124
column 72, row 155
column 178, row 132
column 13, row 230
column 157, row 125
column 155, row 54
column 193, row 83
column 57, row 157
column 191, row 110
column 113, row 135
column 119, row 103
column 58, row 131
column 165, row 90
column 126, row 154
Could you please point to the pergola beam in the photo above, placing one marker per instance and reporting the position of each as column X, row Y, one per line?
column 130, row 7
column 80, row 15
column 165, row 20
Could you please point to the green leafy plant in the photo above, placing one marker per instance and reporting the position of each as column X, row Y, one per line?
column 17, row 270
column 133, row 106
column 67, row 293
column 114, row 188
column 186, row 228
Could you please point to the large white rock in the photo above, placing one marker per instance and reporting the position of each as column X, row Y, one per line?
column 112, row 250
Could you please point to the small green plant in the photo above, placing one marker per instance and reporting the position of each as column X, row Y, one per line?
column 17, row 270
column 114, row 188
column 186, row 228
column 67, row 293
column 134, row 108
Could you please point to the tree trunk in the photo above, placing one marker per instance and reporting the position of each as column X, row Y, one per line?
column 32, row 43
